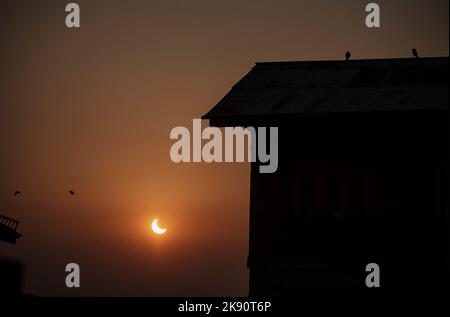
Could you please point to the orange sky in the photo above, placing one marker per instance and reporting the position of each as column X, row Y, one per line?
column 91, row 110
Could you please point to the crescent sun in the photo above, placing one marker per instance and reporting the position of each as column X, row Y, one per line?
column 156, row 229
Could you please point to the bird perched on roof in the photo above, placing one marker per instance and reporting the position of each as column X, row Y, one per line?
column 347, row 55
column 17, row 193
column 414, row 52
column 71, row 192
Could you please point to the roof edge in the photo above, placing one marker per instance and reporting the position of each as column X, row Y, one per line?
column 354, row 60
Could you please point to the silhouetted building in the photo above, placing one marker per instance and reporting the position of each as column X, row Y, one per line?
column 11, row 272
column 362, row 173
column 8, row 231
column 11, row 277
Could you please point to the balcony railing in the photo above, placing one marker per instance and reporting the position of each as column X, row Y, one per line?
column 9, row 222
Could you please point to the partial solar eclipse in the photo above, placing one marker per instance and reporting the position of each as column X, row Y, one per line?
column 156, row 229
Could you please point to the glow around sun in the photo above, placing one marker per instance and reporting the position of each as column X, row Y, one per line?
column 157, row 229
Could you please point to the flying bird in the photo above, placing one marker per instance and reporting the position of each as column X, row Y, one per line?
column 347, row 55
column 414, row 52
column 17, row 193
column 71, row 192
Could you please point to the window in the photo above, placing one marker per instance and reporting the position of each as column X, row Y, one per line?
column 357, row 199
column 332, row 193
column 305, row 194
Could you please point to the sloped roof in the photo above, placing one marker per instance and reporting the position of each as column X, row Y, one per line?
column 283, row 88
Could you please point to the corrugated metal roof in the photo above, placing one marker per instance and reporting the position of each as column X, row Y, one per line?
column 277, row 88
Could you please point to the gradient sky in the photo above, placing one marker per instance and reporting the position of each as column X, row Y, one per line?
column 91, row 110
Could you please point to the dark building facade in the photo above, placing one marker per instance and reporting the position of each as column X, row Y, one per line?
column 362, row 173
